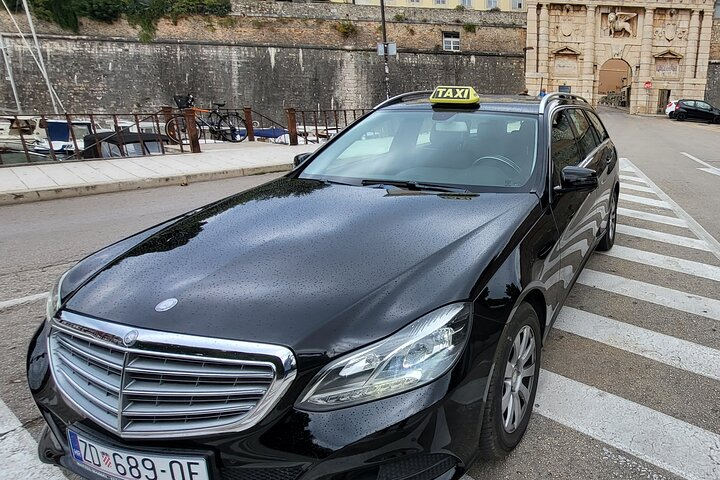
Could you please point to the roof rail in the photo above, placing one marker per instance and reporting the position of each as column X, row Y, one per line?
column 403, row 97
column 559, row 95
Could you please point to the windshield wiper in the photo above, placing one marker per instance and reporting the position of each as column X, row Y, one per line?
column 410, row 185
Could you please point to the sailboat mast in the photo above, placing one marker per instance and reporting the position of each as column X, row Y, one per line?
column 41, row 62
column 11, row 77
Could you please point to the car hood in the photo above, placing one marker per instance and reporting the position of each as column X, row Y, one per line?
column 319, row 268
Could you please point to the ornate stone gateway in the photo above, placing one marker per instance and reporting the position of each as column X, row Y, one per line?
column 665, row 43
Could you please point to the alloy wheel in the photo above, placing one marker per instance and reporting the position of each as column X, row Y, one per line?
column 519, row 380
column 612, row 221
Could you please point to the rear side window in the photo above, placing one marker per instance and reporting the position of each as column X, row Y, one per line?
column 689, row 103
column 599, row 128
column 563, row 146
column 585, row 133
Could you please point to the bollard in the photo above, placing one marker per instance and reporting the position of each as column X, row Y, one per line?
column 249, row 124
column 292, row 126
column 192, row 131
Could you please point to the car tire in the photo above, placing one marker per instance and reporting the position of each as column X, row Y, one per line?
column 608, row 239
column 716, row 119
column 501, row 429
column 680, row 116
column 671, row 115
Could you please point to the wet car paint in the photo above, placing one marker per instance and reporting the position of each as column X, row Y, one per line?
column 324, row 269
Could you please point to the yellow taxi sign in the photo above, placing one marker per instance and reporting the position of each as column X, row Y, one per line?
column 455, row 95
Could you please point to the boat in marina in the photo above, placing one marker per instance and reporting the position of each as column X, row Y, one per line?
column 16, row 129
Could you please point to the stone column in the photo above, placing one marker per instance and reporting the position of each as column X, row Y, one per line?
column 531, row 43
column 642, row 96
column 692, row 45
column 703, row 56
column 544, row 45
column 588, row 72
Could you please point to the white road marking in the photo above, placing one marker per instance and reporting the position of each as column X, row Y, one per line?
column 625, row 163
column 663, row 296
column 692, row 223
column 676, row 446
column 644, row 201
column 18, row 457
column 628, row 178
column 680, row 265
column 652, row 217
column 672, row 351
column 708, row 168
column 627, row 170
column 663, row 237
column 637, row 188
column 20, row 301
column 712, row 170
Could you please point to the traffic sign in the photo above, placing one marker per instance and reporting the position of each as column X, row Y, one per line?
column 648, row 85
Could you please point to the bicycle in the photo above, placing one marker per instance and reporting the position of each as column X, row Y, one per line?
column 227, row 127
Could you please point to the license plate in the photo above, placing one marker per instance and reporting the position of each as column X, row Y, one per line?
column 118, row 463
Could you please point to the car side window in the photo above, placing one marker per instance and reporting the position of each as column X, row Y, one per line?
column 689, row 103
column 564, row 149
column 599, row 128
column 702, row 105
column 587, row 141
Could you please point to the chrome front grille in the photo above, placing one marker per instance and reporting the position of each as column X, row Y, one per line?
column 165, row 383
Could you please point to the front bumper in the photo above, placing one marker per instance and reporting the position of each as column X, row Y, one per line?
column 425, row 434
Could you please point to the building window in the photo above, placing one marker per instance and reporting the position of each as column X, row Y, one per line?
column 451, row 41
column 466, row 3
column 414, row 1
column 440, row 2
column 491, row 4
column 517, row 4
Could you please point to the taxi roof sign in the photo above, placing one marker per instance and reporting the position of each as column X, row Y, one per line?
column 454, row 95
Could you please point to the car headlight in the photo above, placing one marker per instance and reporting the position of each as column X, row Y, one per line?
column 416, row 355
column 54, row 301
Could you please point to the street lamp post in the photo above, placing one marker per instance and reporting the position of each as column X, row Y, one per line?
column 385, row 49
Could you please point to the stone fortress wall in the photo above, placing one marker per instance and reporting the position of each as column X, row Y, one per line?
column 273, row 55
column 269, row 55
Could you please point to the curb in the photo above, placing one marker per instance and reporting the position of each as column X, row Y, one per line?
column 28, row 196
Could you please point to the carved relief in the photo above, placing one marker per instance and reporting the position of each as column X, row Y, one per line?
column 567, row 26
column 621, row 24
column 670, row 27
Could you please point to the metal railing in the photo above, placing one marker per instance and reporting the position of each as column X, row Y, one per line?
column 82, row 136
column 85, row 136
column 317, row 126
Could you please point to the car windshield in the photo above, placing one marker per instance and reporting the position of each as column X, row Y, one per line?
column 470, row 149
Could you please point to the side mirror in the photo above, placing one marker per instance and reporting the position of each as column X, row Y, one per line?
column 300, row 159
column 577, row 179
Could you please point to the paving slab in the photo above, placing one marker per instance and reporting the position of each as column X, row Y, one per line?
column 22, row 184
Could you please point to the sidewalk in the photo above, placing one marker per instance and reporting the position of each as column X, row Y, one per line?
column 30, row 183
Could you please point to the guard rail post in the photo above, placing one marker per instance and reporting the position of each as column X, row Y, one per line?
column 192, row 131
column 247, row 111
column 292, row 126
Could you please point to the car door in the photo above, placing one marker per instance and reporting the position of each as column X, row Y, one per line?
column 576, row 213
column 704, row 111
column 606, row 162
column 689, row 107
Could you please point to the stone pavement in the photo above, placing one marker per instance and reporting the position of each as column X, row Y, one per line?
column 31, row 183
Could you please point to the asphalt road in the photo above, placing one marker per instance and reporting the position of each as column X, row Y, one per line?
column 631, row 373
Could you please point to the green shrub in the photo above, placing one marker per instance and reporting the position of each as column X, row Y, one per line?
column 460, row 8
column 346, row 28
column 144, row 14
column 399, row 17
column 469, row 27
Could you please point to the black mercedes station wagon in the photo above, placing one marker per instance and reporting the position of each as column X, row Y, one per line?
column 377, row 313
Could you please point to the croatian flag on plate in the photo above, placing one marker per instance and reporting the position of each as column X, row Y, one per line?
column 106, row 460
